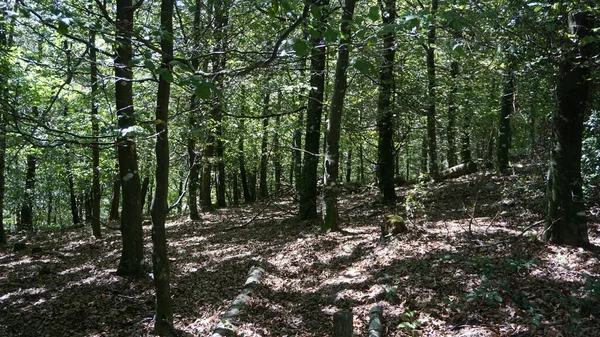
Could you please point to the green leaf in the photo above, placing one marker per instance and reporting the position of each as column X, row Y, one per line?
column 301, row 48
column 149, row 65
column 203, row 89
column 331, row 34
column 374, row 13
column 364, row 66
column 165, row 74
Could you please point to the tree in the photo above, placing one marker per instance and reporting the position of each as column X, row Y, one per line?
column 385, row 125
column 431, row 92
column 308, row 192
column 27, row 205
column 507, row 103
column 332, row 154
column 131, row 213
column 566, row 209
column 160, row 260
column 96, row 195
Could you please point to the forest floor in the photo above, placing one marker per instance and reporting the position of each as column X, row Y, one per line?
column 471, row 264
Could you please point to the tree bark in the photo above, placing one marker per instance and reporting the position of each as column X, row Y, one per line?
column 96, row 229
column 431, row 93
column 452, row 113
column 242, row 163
column 506, row 110
column 221, row 185
column 332, row 149
column 73, row 200
column 264, row 152
column 116, row 199
column 566, row 208
column 145, row 185
column 277, row 152
column 193, row 158
column 2, row 181
column 297, row 155
column 308, row 192
column 131, row 213
column 27, row 205
column 160, row 261
column 385, row 113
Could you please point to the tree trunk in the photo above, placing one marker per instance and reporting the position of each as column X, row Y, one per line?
column 193, row 164
column 465, row 138
column 96, row 229
column 264, row 152
column 131, row 213
column 308, row 191
column 4, row 46
column 2, row 174
column 424, row 159
column 452, row 112
column 332, row 149
column 431, row 93
column 145, row 185
column 193, row 158
column 116, row 199
column 160, row 262
column 242, row 162
column 385, row 113
column 506, row 110
column 349, row 166
column 27, row 205
column 72, row 198
column 252, row 184
column 277, row 153
column 297, row 155
column 566, row 208
column 236, row 189
column 221, row 185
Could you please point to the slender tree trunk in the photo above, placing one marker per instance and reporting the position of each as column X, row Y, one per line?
column 506, row 110
column 160, row 261
column 242, row 162
column 297, row 155
column 2, row 181
column 431, row 92
column 221, row 185
column 252, row 184
column 308, row 192
column 332, row 150
column 72, row 198
column 361, row 171
column 96, row 229
column 424, row 159
column 277, row 153
column 452, row 112
column 131, row 213
column 145, row 185
column 194, row 166
column 236, row 189
column 349, row 166
column 27, row 205
column 193, row 158
column 385, row 125
column 116, row 199
column 264, row 152
column 566, row 208
column 50, row 204
column 465, row 138
column 4, row 44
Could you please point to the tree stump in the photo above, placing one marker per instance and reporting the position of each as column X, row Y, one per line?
column 342, row 323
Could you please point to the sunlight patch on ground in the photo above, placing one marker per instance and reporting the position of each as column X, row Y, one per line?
column 24, row 292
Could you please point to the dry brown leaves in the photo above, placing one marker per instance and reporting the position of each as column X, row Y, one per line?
column 467, row 267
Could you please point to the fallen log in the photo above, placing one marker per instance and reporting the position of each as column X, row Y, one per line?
column 459, row 170
column 376, row 321
column 228, row 323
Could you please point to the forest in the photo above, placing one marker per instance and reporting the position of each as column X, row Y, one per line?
column 299, row 168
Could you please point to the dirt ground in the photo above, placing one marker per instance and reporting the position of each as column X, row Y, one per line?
column 471, row 264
